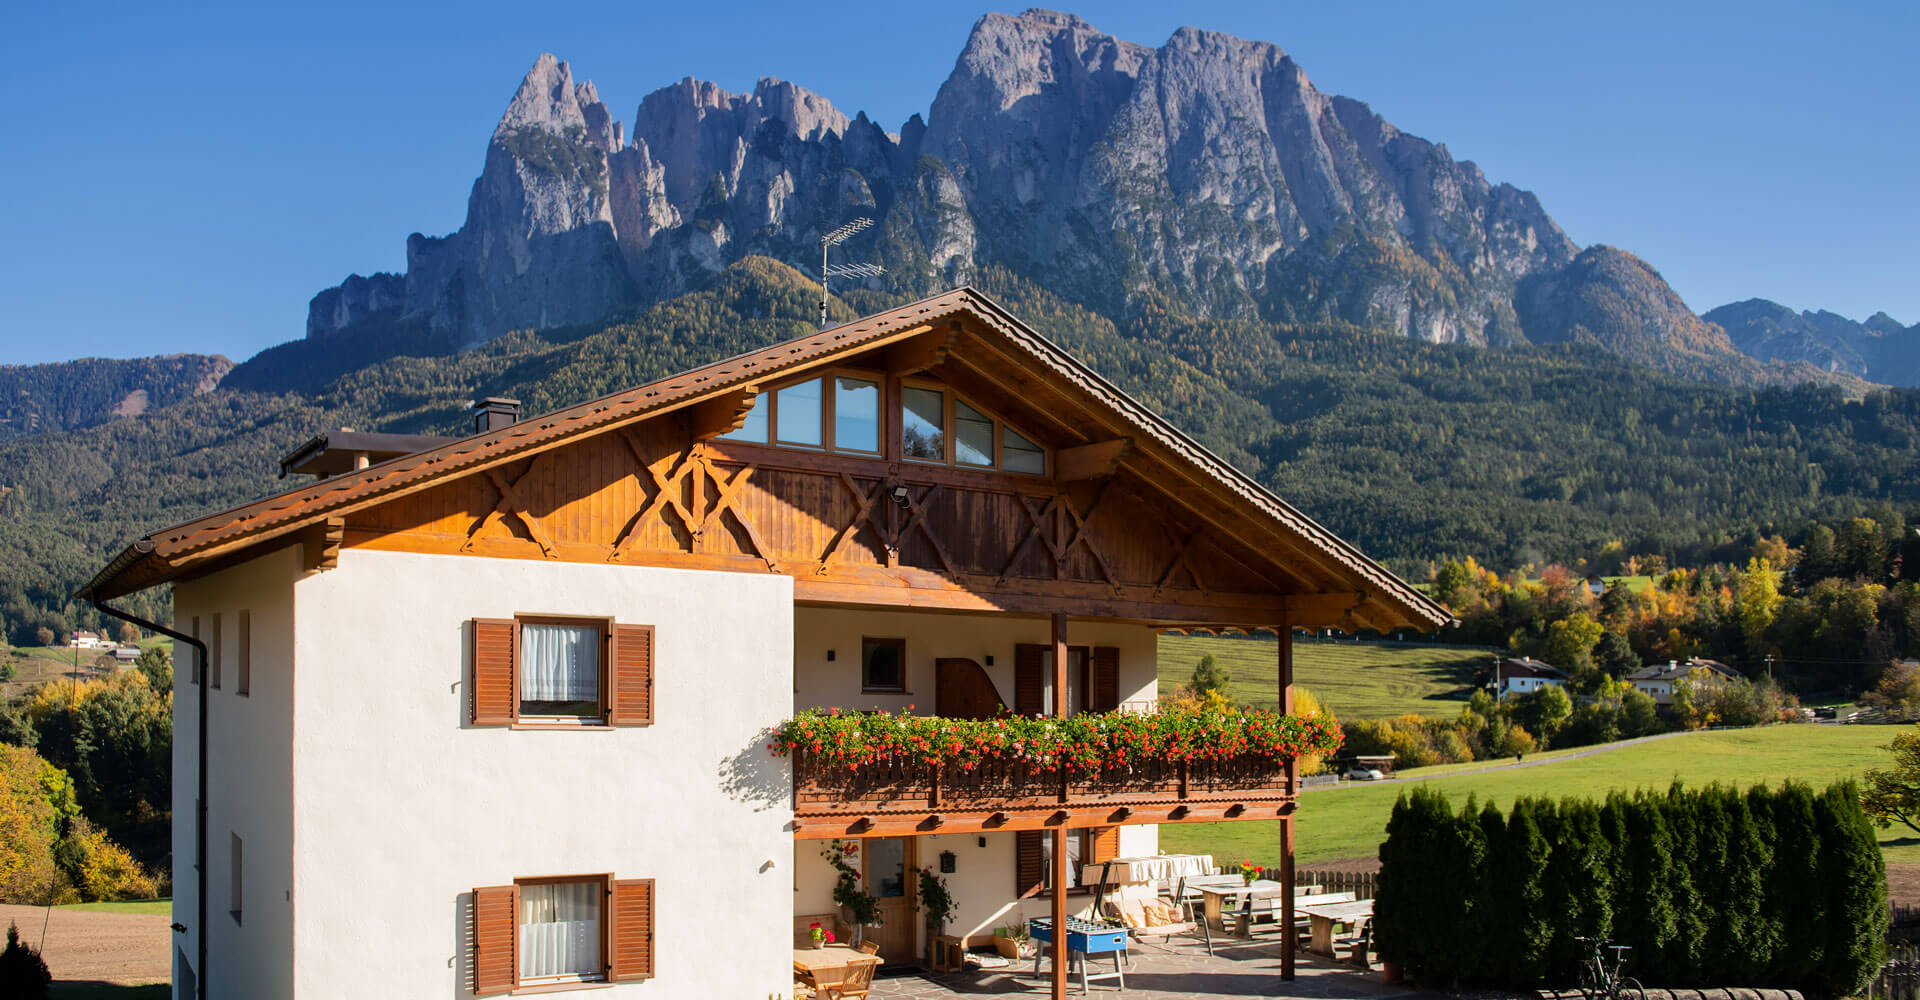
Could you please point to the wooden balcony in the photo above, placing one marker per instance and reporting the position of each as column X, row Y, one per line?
column 895, row 798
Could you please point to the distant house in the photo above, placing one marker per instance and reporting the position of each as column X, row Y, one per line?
column 1524, row 674
column 1656, row 679
column 87, row 640
column 126, row 654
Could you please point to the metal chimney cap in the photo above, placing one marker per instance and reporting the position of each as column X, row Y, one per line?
column 496, row 402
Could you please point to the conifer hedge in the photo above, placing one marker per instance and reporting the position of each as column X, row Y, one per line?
column 1773, row 887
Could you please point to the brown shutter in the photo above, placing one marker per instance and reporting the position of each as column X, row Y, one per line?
column 1029, row 685
column 631, row 654
column 1029, row 863
column 493, row 700
column 631, row 952
column 1106, row 844
column 1106, row 679
column 495, row 930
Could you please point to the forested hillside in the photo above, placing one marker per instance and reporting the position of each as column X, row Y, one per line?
column 1418, row 452
column 71, row 394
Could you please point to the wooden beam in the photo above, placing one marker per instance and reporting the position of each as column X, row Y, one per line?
column 1044, row 819
column 1090, row 461
column 722, row 414
column 1322, row 610
column 323, row 543
column 1285, row 677
column 1062, row 707
column 921, row 352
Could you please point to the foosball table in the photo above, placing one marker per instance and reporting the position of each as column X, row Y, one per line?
column 1084, row 939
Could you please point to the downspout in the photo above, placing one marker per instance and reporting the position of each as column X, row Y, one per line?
column 200, row 800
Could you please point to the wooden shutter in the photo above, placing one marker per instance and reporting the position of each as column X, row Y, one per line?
column 1030, row 862
column 1029, row 684
column 492, row 674
column 1106, row 679
column 496, row 922
column 1106, row 844
column 630, row 653
column 631, row 940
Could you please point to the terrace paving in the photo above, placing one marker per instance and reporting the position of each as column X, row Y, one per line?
column 1183, row 972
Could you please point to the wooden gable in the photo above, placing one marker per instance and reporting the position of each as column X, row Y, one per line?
column 662, row 492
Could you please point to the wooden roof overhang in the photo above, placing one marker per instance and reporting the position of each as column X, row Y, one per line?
column 1292, row 571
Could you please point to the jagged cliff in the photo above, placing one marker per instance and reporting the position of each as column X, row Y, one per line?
column 1879, row 349
column 1206, row 177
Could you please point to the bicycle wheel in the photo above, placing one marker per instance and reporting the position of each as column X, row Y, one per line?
column 1629, row 988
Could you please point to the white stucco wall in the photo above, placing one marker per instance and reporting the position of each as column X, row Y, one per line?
column 983, row 880
column 402, row 807
column 250, row 752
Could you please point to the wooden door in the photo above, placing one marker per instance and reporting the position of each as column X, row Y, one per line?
column 890, row 877
column 964, row 691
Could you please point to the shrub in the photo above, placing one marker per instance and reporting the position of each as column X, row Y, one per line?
column 23, row 974
column 101, row 869
column 1774, row 887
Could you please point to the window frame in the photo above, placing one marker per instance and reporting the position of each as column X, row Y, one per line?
column 951, row 397
column 1075, row 868
column 829, row 416
column 901, row 645
column 599, row 721
column 605, row 976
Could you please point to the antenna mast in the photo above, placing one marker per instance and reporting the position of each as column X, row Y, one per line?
column 828, row 272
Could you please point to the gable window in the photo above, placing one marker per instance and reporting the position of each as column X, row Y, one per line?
column 797, row 414
column 972, row 435
column 883, row 665
column 923, row 424
column 856, row 414
column 1017, row 454
column 545, row 670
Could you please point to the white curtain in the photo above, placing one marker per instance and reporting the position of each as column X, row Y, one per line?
column 560, row 929
column 559, row 663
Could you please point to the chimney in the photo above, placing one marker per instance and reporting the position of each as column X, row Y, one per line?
column 493, row 413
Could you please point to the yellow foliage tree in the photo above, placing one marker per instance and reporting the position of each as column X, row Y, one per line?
column 102, row 869
column 35, row 797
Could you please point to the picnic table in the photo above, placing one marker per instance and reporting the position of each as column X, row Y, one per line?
column 1084, row 938
column 808, row 962
column 1325, row 915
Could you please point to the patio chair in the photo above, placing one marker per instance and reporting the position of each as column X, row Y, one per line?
column 854, row 986
column 869, row 947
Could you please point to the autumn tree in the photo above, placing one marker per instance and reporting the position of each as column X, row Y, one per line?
column 1893, row 795
column 1209, row 676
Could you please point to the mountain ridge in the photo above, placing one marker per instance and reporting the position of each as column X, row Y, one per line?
column 1207, row 176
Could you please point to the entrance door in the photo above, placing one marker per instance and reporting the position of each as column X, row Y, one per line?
column 964, row 691
column 890, row 868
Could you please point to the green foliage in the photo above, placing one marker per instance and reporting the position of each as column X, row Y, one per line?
column 1893, row 795
column 1209, row 676
column 1541, row 711
column 114, row 735
column 1898, row 693
column 1774, row 887
column 156, row 665
column 23, row 974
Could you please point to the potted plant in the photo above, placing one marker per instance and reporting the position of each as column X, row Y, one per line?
column 1011, row 941
column 820, row 936
column 857, row 907
column 1250, row 872
column 937, row 901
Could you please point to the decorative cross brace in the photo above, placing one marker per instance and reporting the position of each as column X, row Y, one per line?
column 510, row 502
column 1183, row 557
column 723, row 503
column 1046, row 523
column 865, row 499
column 666, row 493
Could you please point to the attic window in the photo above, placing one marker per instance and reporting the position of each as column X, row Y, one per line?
column 808, row 415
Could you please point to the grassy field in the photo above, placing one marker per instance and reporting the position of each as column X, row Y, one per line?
column 160, row 906
column 1350, row 822
column 1357, row 680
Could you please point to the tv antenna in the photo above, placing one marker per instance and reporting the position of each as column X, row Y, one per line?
column 828, row 272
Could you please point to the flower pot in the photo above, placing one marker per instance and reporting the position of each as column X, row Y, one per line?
column 819, row 943
column 1389, row 972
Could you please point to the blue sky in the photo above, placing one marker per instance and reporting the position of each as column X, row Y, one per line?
column 185, row 181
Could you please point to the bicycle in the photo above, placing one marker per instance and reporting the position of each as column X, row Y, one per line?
column 1599, row 981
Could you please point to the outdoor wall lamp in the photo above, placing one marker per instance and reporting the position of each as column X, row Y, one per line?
column 900, row 495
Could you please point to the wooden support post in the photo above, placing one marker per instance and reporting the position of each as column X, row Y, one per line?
column 1288, row 939
column 1061, row 709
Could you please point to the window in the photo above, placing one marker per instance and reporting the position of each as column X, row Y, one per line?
column 883, row 664
column 235, row 894
column 1086, row 849
column 1076, row 850
column 243, row 675
column 1021, row 455
column 754, row 427
column 559, row 928
column 215, row 656
column 797, row 413
column 923, row 424
column 560, row 669
column 972, row 435
column 554, row 931
column 547, row 670
column 1077, row 659
column 856, row 414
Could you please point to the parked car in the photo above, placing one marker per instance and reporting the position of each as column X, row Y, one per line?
column 1365, row 774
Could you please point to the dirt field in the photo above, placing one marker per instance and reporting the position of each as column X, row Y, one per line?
column 122, row 948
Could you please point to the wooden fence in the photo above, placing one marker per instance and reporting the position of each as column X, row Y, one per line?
column 1363, row 885
column 1899, row 978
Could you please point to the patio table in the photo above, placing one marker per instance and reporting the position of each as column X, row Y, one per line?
column 1216, row 894
column 808, row 961
column 1325, row 915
